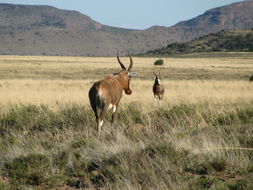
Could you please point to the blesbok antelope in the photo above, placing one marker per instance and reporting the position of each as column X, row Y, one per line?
column 106, row 93
column 158, row 88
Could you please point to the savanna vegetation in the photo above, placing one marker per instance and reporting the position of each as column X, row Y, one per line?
column 199, row 138
column 224, row 41
column 158, row 62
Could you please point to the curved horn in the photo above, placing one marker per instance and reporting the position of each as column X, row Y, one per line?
column 131, row 63
column 121, row 64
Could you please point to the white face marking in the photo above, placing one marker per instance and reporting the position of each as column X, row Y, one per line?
column 159, row 81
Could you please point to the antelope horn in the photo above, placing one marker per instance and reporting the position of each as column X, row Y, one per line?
column 155, row 74
column 131, row 63
column 121, row 64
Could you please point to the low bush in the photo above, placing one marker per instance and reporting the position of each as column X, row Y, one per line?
column 30, row 170
column 251, row 78
column 159, row 62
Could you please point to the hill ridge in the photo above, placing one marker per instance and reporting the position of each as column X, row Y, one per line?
column 223, row 41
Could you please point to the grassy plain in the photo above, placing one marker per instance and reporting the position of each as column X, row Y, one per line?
column 48, row 80
column 199, row 138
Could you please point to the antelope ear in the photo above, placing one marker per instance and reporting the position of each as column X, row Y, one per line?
column 132, row 74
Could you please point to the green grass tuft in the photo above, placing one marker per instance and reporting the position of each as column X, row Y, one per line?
column 30, row 170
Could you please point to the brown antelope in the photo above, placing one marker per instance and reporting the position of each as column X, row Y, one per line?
column 106, row 93
column 158, row 88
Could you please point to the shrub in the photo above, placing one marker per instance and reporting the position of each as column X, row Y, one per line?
column 251, row 48
column 158, row 62
column 78, row 143
column 31, row 169
column 219, row 164
column 251, row 78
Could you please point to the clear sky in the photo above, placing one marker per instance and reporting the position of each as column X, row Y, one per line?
column 134, row 14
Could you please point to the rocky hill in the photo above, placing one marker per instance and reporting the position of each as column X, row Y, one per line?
column 45, row 30
column 237, row 16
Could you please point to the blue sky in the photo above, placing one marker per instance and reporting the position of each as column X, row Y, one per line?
column 135, row 14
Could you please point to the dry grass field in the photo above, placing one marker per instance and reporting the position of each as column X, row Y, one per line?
column 53, row 92
column 199, row 138
column 50, row 80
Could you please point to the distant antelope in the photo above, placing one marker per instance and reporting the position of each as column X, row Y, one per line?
column 158, row 88
column 106, row 93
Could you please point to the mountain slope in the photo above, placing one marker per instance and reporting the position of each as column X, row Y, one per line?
column 224, row 41
column 236, row 16
column 45, row 30
column 35, row 17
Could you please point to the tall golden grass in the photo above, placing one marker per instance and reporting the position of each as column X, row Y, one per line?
column 54, row 80
column 52, row 92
